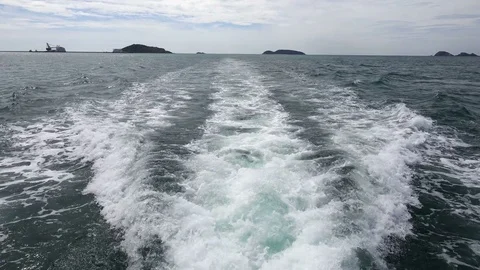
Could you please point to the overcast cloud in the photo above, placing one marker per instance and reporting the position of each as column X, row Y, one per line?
column 400, row 27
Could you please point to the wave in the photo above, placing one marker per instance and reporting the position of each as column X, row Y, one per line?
column 255, row 197
column 392, row 77
column 111, row 137
column 250, row 192
column 355, row 83
column 240, row 206
column 449, row 107
column 259, row 197
column 379, row 147
column 402, row 157
column 369, row 65
column 251, row 203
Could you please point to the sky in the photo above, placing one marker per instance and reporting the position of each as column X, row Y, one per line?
column 365, row 27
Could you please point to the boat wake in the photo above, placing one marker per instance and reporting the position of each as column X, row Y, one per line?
column 219, row 174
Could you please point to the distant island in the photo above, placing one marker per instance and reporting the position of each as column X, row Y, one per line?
column 444, row 53
column 289, row 52
column 466, row 54
column 140, row 48
column 200, row 53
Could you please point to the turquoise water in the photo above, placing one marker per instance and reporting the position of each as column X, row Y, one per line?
column 239, row 162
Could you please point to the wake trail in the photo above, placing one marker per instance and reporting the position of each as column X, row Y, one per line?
column 252, row 203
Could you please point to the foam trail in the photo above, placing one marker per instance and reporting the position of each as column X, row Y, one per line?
column 112, row 136
column 371, row 153
column 117, row 141
column 381, row 145
column 252, row 203
column 391, row 145
column 82, row 132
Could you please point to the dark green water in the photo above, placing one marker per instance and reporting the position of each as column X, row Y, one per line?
column 239, row 162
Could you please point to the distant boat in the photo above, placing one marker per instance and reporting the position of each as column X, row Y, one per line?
column 56, row 49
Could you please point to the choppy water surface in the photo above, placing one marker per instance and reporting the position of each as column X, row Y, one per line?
column 239, row 162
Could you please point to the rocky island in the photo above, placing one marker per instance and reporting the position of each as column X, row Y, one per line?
column 466, row 54
column 140, row 48
column 289, row 52
column 444, row 53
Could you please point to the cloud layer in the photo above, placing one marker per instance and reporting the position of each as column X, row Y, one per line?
column 317, row 26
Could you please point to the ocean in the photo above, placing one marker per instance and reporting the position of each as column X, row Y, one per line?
column 123, row 161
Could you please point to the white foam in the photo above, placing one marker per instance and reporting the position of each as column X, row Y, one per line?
column 386, row 142
column 3, row 237
column 467, row 170
column 116, row 139
column 108, row 133
column 421, row 123
column 247, row 183
column 381, row 144
column 36, row 149
column 252, row 204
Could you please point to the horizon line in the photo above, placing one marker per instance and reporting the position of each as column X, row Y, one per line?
column 315, row 54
